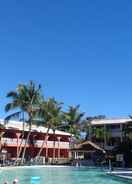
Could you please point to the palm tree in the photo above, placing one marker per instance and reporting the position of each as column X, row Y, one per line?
column 57, row 119
column 27, row 99
column 51, row 114
column 73, row 119
column 44, row 120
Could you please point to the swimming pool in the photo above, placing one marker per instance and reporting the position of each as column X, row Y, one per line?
column 57, row 175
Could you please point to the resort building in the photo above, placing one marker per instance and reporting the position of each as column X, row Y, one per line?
column 12, row 137
column 109, row 133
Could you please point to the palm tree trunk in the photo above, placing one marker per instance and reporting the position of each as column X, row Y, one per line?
column 44, row 141
column 25, row 147
column 20, row 150
column 26, row 142
column 20, row 146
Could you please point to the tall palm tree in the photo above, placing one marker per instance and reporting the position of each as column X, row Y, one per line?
column 44, row 120
column 26, row 98
column 57, row 119
column 73, row 119
column 51, row 114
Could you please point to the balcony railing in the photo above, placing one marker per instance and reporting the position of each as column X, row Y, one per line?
column 38, row 143
column 9, row 141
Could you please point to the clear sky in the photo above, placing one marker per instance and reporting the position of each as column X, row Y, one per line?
column 80, row 51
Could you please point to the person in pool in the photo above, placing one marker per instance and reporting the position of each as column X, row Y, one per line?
column 15, row 181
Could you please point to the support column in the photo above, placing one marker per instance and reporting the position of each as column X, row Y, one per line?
column 75, row 155
column 90, row 131
column 58, row 138
column 70, row 147
column 121, row 129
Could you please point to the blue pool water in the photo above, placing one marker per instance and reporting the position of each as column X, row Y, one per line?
column 54, row 175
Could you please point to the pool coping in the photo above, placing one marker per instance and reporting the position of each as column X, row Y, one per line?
column 33, row 166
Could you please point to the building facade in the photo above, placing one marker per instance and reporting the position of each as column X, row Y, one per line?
column 12, row 138
column 109, row 133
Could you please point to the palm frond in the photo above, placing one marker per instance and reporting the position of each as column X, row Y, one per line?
column 16, row 115
column 12, row 94
column 11, row 106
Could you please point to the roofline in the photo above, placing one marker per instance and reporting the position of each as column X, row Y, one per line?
column 111, row 121
column 40, row 129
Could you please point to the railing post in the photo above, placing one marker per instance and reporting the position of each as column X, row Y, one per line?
column 110, row 165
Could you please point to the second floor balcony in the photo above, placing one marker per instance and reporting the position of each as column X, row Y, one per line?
column 36, row 143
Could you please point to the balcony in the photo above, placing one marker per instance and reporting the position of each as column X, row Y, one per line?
column 50, row 144
column 12, row 142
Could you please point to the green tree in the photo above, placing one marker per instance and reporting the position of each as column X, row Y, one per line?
column 27, row 99
column 88, row 128
column 51, row 116
column 73, row 119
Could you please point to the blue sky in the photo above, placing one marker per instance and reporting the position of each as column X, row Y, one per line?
column 81, row 52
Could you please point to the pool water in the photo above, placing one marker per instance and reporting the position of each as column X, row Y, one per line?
column 57, row 175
